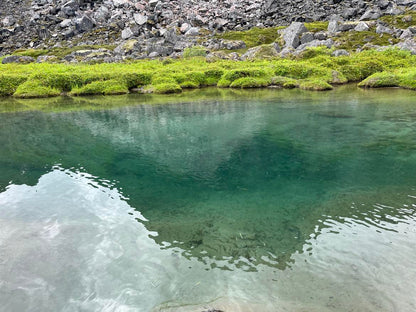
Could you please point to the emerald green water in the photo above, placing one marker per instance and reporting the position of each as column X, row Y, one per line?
column 260, row 200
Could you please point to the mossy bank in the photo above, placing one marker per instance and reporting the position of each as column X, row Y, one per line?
column 315, row 69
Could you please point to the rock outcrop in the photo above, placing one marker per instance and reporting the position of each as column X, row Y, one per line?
column 162, row 27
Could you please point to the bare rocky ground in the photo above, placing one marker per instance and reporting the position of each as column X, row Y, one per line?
column 135, row 29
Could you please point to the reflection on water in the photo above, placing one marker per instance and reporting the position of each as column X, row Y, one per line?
column 239, row 203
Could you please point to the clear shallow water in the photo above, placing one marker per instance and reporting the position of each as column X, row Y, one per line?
column 257, row 201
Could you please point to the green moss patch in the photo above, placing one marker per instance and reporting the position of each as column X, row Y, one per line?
column 253, row 37
column 9, row 83
column 315, row 85
column 250, row 82
column 107, row 87
column 380, row 80
column 35, row 89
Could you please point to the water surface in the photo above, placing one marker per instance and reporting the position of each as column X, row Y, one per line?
column 270, row 200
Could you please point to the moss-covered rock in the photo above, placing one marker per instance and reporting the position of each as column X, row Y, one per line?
column 315, row 85
column 250, row 82
column 106, row 87
column 35, row 89
column 10, row 82
column 380, row 80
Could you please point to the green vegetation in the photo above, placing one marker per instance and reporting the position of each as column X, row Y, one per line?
column 35, row 89
column 194, row 51
column 60, row 52
column 105, row 87
column 317, row 70
column 379, row 80
column 400, row 21
column 317, row 26
column 352, row 40
column 314, row 85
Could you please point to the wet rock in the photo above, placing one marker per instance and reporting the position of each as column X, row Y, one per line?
column 291, row 34
column 18, row 59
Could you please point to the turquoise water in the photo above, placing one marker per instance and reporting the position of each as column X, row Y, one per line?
column 258, row 201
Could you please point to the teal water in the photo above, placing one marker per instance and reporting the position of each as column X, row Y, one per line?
column 258, row 201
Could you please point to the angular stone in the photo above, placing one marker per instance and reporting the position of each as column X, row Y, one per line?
column 407, row 34
column 316, row 43
column 193, row 31
column 84, row 24
column 361, row 26
column 140, row 19
column 371, row 14
column 185, row 27
column 383, row 30
column 407, row 45
column 291, row 35
column 127, row 33
column 321, row 35
column 333, row 26
column 307, row 37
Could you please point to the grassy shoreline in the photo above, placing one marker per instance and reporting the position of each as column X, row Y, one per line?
column 316, row 69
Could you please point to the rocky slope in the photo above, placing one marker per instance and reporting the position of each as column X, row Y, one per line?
column 152, row 28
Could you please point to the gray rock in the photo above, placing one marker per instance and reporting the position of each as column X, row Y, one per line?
column 333, row 26
column 349, row 13
column 382, row 4
column 394, row 10
column 361, row 26
column 291, row 35
column 307, row 37
column 346, row 26
column 381, row 29
column 18, row 59
column 407, row 34
column 313, row 44
column 371, row 14
column 340, row 52
column 140, row 19
column 153, row 3
column 193, row 31
column 185, row 27
column 102, row 14
column 407, row 45
column 65, row 23
column 8, row 21
column 84, row 24
column 127, row 33
column 153, row 54
column 321, row 35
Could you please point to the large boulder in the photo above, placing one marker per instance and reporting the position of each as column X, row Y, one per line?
column 291, row 34
column 84, row 24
